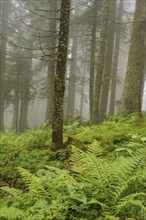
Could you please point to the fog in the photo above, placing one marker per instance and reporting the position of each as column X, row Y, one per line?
column 28, row 53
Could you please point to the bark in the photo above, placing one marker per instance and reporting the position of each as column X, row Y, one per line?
column 131, row 97
column 82, row 91
column 51, row 65
column 92, row 57
column 108, row 63
column 101, row 59
column 25, row 93
column 15, row 125
column 57, row 122
column 72, row 79
column 16, row 114
column 4, row 8
column 22, row 92
column 115, row 62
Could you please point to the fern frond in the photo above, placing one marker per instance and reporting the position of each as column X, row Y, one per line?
column 11, row 213
column 16, row 193
column 33, row 182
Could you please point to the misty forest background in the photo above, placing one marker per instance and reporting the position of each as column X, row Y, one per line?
column 72, row 109
column 29, row 34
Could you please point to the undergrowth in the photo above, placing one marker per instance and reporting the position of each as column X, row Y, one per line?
column 100, row 173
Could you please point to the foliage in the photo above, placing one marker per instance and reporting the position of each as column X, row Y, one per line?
column 100, row 176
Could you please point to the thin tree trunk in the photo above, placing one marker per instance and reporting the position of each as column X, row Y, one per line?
column 3, row 30
column 72, row 73
column 92, row 57
column 101, row 59
column 16, row 110
column 108, row 63
column 72, row 79
column 51, row 65
column 131, row 97
column 115, row 62
column 57, row 122
column 82, row 91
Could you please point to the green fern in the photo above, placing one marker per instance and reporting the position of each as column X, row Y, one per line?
column 11, row 213
column 112, row 180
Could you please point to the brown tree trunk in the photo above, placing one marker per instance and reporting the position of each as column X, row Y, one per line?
column 101, row 58
column 3, row 30
column 83, row 90
column 115, row 62
column 108, row 63
column 51, row 64
column 92, row 57
column 57, row 122
column 131, row 97
column 72, row 79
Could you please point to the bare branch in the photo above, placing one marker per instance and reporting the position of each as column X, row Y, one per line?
column 22, row 47
column 46, row 36
column 40, row 15
column 38, row 29
column 47, row 10
column 28, row 57
column 128, row 22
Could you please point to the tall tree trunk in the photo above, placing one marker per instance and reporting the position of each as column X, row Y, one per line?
column 16, row 110
column 72, row 73
column 25, row 90
column 24, row 114
column 3, row 30
column 101, row 58
column 108, row 63
column 1, row 74
column 131, row 97
column 57, row 122
column 82, row 91
column 51, row 65
column 92, row 57
column 115, row 62
column 72, row 79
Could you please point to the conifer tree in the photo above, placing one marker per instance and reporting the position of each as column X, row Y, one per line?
column 57, row 122
column 131, row 97
column 101, row 58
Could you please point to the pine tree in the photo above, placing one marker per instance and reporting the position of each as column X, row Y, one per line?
column 57, row 122
column 132, row 92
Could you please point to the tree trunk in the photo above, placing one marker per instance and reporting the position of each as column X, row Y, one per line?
column 131, row 97
column 92, row 57
column 3, row 30
column 115, row 62
column 72, row 79
column 108, row 63
column 101, row 58
column 51, row 65
column 15, row 124
column 82, row 91
column 16, row 111
column 57, row 122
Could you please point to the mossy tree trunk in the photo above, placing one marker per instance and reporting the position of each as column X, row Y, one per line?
column 57, row 122
column 101, row 59
column 51, row 64
column 131, row 97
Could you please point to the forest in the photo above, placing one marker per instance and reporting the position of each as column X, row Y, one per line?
column 72, row 109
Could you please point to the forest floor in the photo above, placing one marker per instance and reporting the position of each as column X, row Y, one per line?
column 99, row 174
